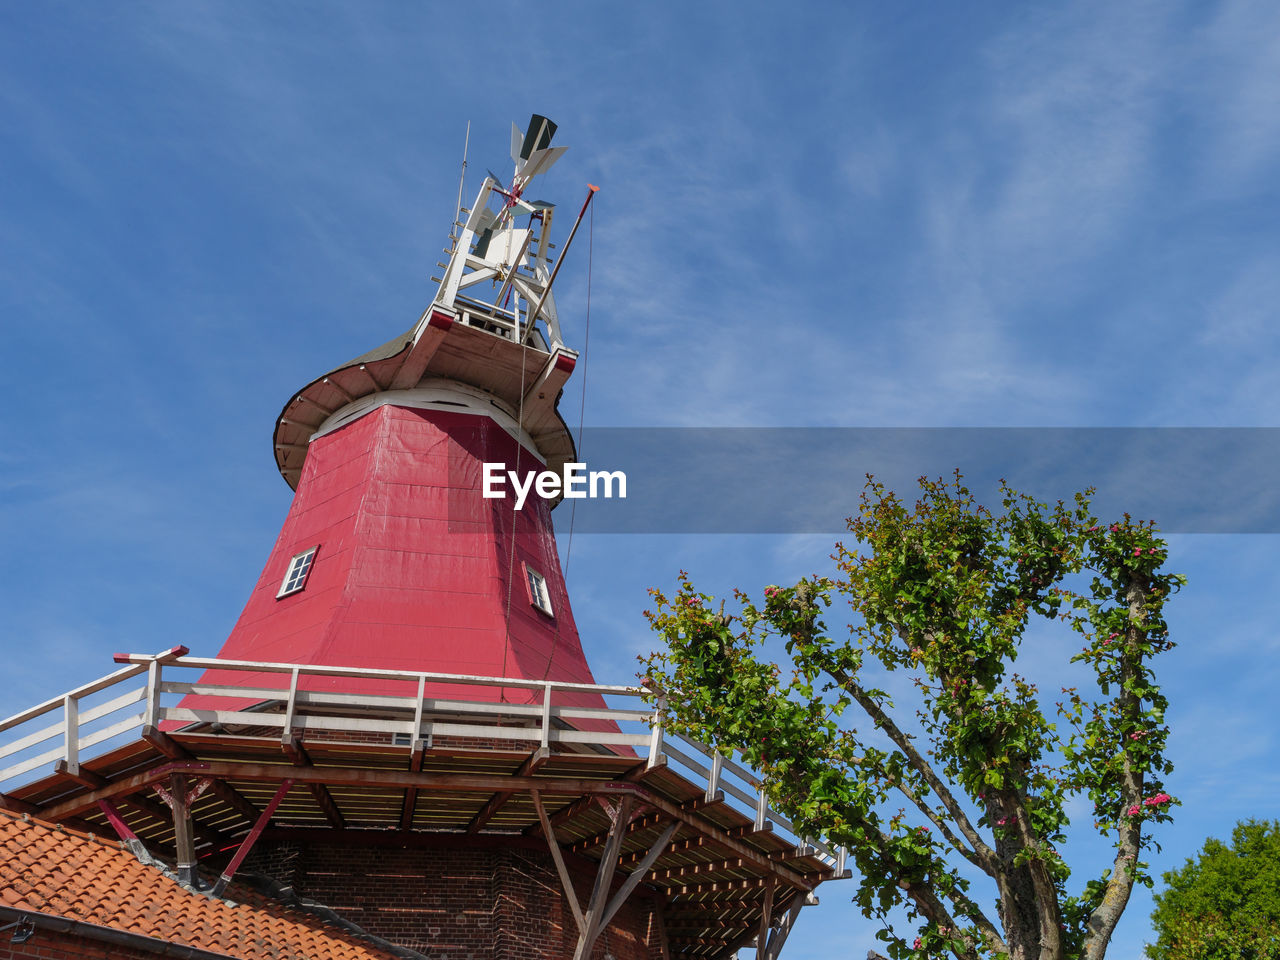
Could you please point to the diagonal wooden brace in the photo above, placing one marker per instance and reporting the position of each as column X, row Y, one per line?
column 639, row 873
column 769, row 950
column 565, row 881
column 247, row 844
column 604, row 877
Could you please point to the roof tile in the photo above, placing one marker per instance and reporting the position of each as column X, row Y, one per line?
column 62, row 872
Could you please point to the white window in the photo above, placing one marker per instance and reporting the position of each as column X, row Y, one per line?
column 538, row 593
column 295, row 577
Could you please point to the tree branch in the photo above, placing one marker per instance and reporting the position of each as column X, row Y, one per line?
column 941, row 823
column 1103, row 920
column 986, row 859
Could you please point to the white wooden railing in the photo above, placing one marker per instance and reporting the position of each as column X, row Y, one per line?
column 112, row 709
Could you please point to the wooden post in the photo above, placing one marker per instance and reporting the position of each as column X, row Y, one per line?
column 766, row 919
column 565, row 881
column 546, row 714
column 183, row 839
column 604, row 877
column 153, row 694
column 286, row 732
column 71, row 732
column 655, row 734
column 713, row 778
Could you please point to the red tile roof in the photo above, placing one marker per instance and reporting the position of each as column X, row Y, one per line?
column 52, row 870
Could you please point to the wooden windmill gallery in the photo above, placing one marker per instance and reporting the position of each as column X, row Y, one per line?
column 400, row 749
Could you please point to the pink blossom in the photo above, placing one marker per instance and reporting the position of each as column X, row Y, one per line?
column 918, row 944
column 1137, row 551
column 1158, row 799
column 770, row 591
column 1134, row 810
column 1152, row 551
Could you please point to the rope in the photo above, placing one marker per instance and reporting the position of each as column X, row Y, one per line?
column 582, row 410
column 511, row 559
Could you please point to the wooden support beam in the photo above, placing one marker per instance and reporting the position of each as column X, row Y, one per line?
column 710, row 923
column 248, row 842
column 717, row 886
column 678, row 846
column 634, row 775
column 696, row 912
column 557, row 855
column 18, row 806
column 771, row 949
column 638, row 874
column 32, row 810
column 639, row 823
column 342, row 777
column 140, row 803
column 328, row 806
column 701, row 869
column 118, row 823
column 390, row 778
column 766, row 917
column 222, row 790
column 604, row 878
column 295, row 751
column 183, row 841
column 164, row 743
column 410, row 802
column 750, row 830
column 496, row 802
column 660, row 921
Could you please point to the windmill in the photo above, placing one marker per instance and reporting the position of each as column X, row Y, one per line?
column 402, row 724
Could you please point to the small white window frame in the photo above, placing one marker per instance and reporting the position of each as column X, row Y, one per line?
column 298, row 573
column 535, row 585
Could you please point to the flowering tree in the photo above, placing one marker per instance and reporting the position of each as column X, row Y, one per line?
column 944, row 593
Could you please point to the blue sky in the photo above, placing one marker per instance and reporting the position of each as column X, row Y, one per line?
column 810, row 215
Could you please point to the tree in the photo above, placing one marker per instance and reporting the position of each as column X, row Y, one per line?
column 1225, row 905
column 944, row 593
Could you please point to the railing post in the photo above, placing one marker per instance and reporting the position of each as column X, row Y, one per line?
column 713, row 778
column 762, row 808
column 153, row 693
column 546, row 715
column 417, row 714
column 71, row 732
column 286, row 732
column 655, row 734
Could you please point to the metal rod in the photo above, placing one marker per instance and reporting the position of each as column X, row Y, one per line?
column 546, row 292
column 462, row 177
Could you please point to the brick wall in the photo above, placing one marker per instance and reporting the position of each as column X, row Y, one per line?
column 463, row 902
column 51, row 945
